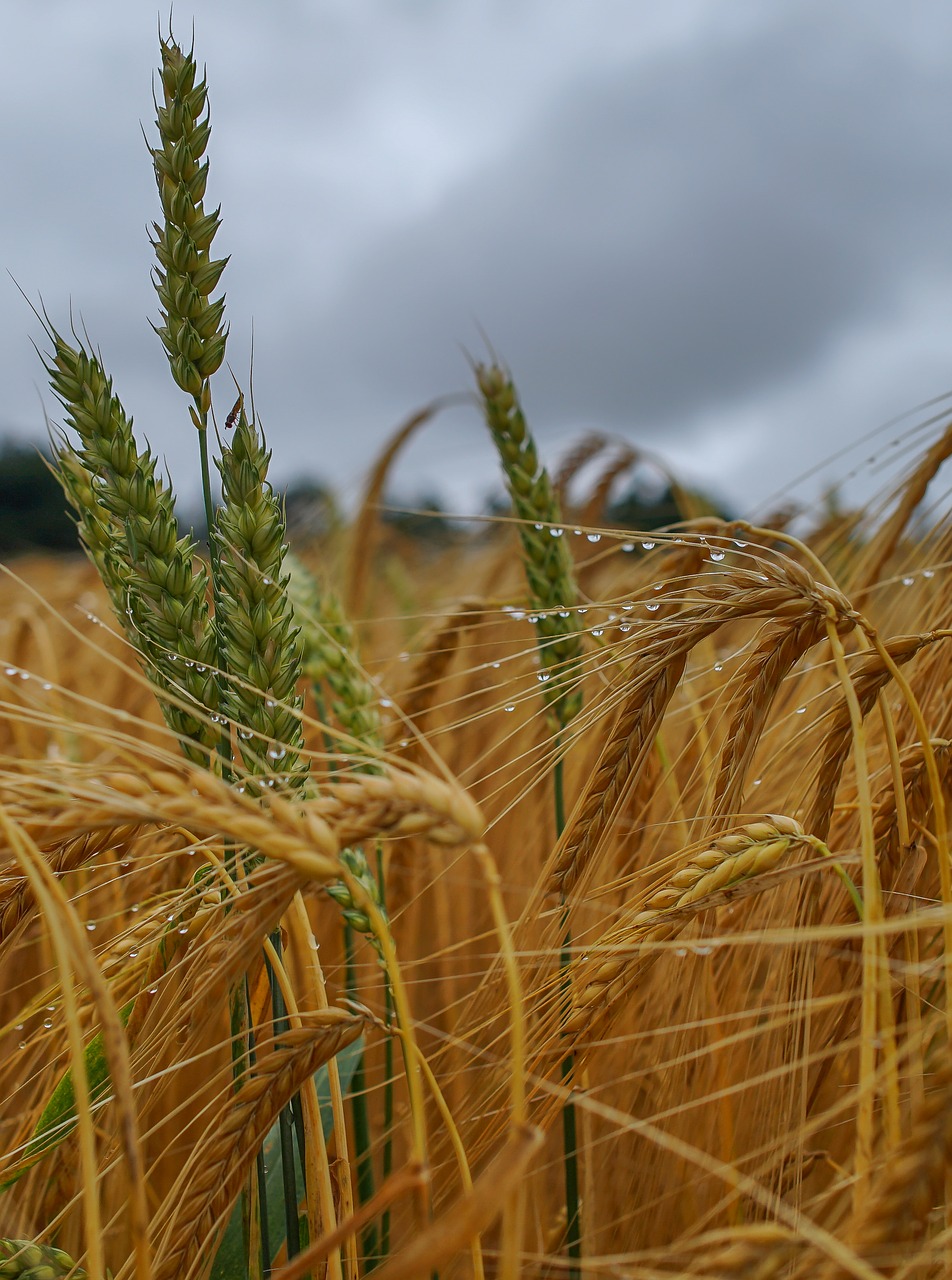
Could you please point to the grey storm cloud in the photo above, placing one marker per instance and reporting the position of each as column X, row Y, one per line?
column 678, row 235
column 685, row 223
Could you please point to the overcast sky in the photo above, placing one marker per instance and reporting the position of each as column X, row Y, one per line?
column 715, row 228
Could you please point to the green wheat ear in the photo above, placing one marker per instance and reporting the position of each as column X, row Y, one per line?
column 28, row 1261
column 126, row 518
column 258, row 639
column 192, row 329
column 330, row 659
column 546, row 557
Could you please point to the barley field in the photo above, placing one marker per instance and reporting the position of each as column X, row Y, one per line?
column 595, row 920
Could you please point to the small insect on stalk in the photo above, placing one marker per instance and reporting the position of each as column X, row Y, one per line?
column 235, row 412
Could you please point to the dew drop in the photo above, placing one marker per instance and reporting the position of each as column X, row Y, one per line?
column 653, row 606
column 47, row 686
column 565, row 613
column 48, row 1023
column 648, row 546
column 510, row 707
column 718, row 555
column 152, row 991
column 543, row 676
column 593, row 537
column 801, row 711
column 681, row 951
column 928, row 573
column 267, row 581
column 657, row 586
column 738, row 543
column 136, row 906
column 496, row 666
column 51, row 1008
column 245, row 734
column 18, row 1027
column 386, row 702
column 627, row 546
column 270, row 703
column 11, row 671
column 183, row 928
column 757, row 782
column 277, row 753
column 625, row 627
column 133, row 954
column 556, row 533
column 90, row 926
column 22, row 1044
column 718, row 666
column 537, row 526
column 908, row 581
column 404, row 657
column 597, row 631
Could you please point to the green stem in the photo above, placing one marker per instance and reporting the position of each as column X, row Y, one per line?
column 242, row 1064
column 288, row 1177
column 206, row 484
column 573, row 1217
column 263, row 1212
column 388, row 1083
column 358, row 1102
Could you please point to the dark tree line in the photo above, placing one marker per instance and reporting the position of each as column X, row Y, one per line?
column 33, row 512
